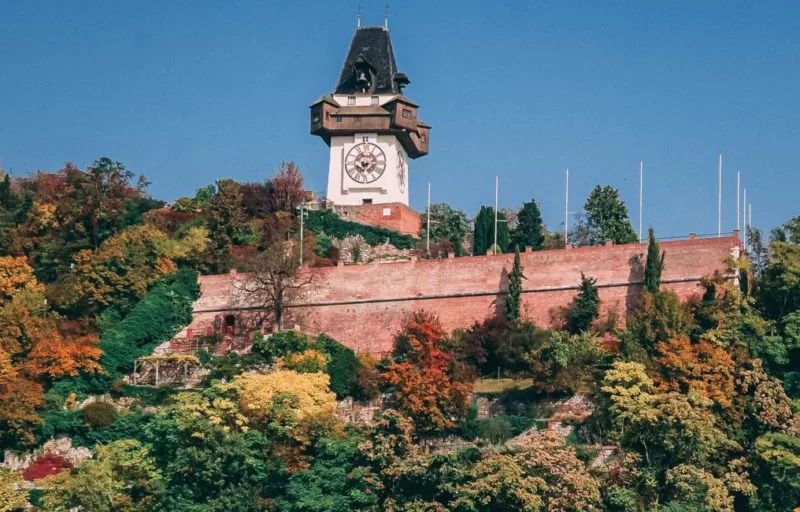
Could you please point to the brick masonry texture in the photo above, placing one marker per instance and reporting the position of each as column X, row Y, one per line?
column 363, row 306
column 394, row 216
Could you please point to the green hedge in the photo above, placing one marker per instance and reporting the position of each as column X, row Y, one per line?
column 165, row 309
column 326, row 221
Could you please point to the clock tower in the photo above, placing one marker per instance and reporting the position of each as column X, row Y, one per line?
column 372, row 129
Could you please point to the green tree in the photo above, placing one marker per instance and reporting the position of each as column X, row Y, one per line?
column 5, row 191
column 449, row 224
column 483, row 234
column 227, row 222
column 654, row 266
column 606, row 218
column 483, row 238
column 778, row 479
column 585, row 307
column 497, row 482
column 530, row 230
column 121, row 477
column 513, row 302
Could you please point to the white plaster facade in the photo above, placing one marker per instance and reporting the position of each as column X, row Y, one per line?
column 390, row 187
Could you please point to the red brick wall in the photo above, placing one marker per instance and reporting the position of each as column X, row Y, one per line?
column 363, row 305
column 395, row 216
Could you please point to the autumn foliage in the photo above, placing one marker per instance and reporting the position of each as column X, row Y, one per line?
column 46, row 465
column 423, row 375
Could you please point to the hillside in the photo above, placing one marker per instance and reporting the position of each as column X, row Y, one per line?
column 691, row 404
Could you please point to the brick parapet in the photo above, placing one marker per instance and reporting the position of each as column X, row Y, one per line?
column 363, row 305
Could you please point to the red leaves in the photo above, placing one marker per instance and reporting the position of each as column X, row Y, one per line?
column 46, row 465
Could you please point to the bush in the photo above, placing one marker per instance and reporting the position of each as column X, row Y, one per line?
column 308, row 361
column 281, row 344
column 326, row 221
column 46, row 465
column 343, row 367
column 99, row 414
column 495, row 430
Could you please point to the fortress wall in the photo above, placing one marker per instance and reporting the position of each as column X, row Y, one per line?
column 363, row 305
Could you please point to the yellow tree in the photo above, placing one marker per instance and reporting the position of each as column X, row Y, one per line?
column 15, row 275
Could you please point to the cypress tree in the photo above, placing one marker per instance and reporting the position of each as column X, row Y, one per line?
column 654, row 266
column 513, row 301
column 585, row 307
column 483, row 234
column 5, row 191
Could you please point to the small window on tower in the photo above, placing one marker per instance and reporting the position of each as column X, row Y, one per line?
column 366, row 201
column 351, row 100
column 338, row 119
column 406, row 113
column 365, row 138
column 422, row 138
column 375, row 100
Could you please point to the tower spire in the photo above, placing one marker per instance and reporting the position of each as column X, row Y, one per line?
column 386, row 16
column 358, row 17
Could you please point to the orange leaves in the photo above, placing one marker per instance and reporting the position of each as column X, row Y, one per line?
column 425, row 385
column 59, row 355
column 16, row 274
column 701, row 366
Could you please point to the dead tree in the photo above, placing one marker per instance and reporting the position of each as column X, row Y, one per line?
column 273, row 281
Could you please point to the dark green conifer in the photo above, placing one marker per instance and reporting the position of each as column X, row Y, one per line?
column 654, row 266
column 513, row 301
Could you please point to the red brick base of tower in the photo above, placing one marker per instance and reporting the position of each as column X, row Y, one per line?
column 395, row 216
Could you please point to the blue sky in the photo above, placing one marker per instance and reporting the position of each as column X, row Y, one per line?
column 186, row 92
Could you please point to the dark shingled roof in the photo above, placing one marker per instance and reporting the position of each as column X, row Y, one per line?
column 372, row 44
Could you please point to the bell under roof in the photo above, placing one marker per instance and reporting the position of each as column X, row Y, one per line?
column 372, row 45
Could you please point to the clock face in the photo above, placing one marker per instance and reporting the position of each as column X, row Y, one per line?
column 401, row 171
column 365, row 162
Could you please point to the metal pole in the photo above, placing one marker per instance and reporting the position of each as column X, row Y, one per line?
column 719, row 198
column 744, row 219
column 641, row 197
column 301, row 235
column 566, row 211
column 428, row 230
column 738, row 197
column 496, row 197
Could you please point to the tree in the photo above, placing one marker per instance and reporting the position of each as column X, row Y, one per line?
column 666, row 428
column 274, row 280
column 118, row 274
column 497, row 482
column 422, row 376
column 778, row 479
column 569, row 486
column 700, row 366
column 483, row 231
column 226, row 223
column 513, row 302
column 209, row 457
column 585, row 307
column 447, row 223
column 695, row 489
column 121, row 477
column 530, row 231
column 606, row 219
column 654, row 266
column 285, row 188
column 6, row 195
column 263, row 398
column 779, row 286
column 16, row 274
column 566, row 363
column 12, row 495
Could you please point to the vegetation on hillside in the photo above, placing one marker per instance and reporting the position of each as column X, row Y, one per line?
column 692, row 406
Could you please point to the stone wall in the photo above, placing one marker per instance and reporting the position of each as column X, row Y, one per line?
column 363, row 305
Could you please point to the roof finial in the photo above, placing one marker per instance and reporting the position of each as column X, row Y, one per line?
column 358, row 17
column 386, row 16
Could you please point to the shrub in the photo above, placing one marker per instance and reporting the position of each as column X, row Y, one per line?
column 46, row 465
column 281, row 344
column 495, row 430
column 343, row 367
column 99, row 414
column 333, row 226
column 308, row 361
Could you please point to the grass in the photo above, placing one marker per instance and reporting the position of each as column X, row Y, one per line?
column 496, row 386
